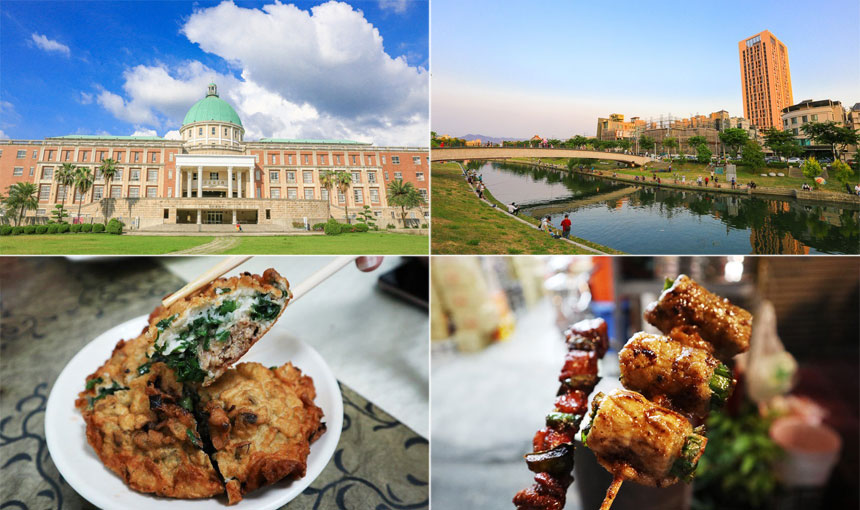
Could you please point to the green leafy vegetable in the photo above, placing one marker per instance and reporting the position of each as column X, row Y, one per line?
column 103, row 392
column 223, row 336
column 265, row 309
column 165, row 323
column 667, row 284
column 226, row 307
column 144, row 369
column 222, row 290
column 193, row 438
column 92, row 382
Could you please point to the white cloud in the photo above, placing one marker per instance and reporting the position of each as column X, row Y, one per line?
column 85, row 98
column 50, row 45
column 144, row 132
column 317, row 74
column 3, row 135
column 173, row 134
column 398, row 6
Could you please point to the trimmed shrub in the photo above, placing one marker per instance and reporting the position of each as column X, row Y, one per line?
column 52, row 229
column 114, row 226
column 332, row 227
column 62, row 228
column 423, row 225
column 5, row 230
column 42, row 229
column 98, row 227
column 361, row 227
column 87, row 227
column 319, row 227
column 76, row 228
column 390, row 225
column 299, row 224
column 30, row 229
column 16, row 231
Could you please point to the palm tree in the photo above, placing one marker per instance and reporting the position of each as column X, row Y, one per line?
column 65, row 176
column 22, row 196
column 343, row 180
column 83, row 183
column 404, row 195
column 108, row 170
column 327, row 183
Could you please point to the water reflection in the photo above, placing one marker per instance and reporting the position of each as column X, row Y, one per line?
column 644, row 219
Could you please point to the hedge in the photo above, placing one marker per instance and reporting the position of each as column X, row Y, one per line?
column 5, row 230
column 42, row 229
column 87, row 227
column 361, row 227
column 52, row 229
column 76, row 228
column 333, row 227
column 114, row 226
column 98, row 227
column 62, row 228
column 30, row 229
column 318, row 227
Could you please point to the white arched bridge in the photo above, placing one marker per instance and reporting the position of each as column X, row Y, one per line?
column 463, row 153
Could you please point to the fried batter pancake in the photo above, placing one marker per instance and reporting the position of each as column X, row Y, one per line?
column 143, row 434
column 261, row 422
column 124, row 364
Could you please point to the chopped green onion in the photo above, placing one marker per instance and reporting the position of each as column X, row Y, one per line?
column 226, row 307
column 165, row 323
column 92, row 382
column 685, row 465
column 223, row 336
column 193, row 438
column 721, row 386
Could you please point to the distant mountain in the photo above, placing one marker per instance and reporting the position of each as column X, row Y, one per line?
column 485, row 138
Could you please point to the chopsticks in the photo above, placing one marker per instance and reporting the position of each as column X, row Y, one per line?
column 232, row 262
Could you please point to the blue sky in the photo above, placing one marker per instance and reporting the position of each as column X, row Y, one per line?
column 505, row 68
column 125, row 67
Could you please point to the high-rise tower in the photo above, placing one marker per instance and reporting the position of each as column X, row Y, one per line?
column 765, row 79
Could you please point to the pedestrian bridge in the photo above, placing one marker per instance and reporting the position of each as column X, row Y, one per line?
column 464, row 153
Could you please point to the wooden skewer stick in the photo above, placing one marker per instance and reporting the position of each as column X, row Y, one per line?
column 611, row 492
column 214, row 272
column 319, row 276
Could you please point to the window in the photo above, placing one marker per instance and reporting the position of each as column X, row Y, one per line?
column 419, row 176
column 98, row 191
column 308, row 176
column 395, row 160
column 274, row 176
column 274, row 159
column 371, row 177
column 44, row 192
column 423, row 193
column 374, row 195
column 153, row 157
column 213, row 130
column 815, row 118
column 398, row 176
column 289, row 159
column 383, row 159
column 134, row 192
column 794, row 120
column 369, row 160
column 136, row 157
column 386, row 176
column 324, row 194
column 151, row 175
column 306, row 159
column 309, row 193
column 116, row 191
column 337, row 159
column 257, row 173
column 784, row 122
column 35, row 154
column 341, row 198
column 292, row 194
column 268, row 214
column 119, row 157
column 805, row 119
column 275, row 193
column 118, row 175
column 40, row 212
column 322, row 159
column 225, row 133
column 358, row 194
column 48, row 172
column 166, row 214
column 66, row 155
column 49, row 155
column 135, row 174
column 31, row 170
column 794, row 131
column 356, row 177
column 151, row 191
column 200, row 132
column 354, row 162
column 61, row 192
column 18, row 171
column 22, row 154
column 291, row 176
column 416, row 160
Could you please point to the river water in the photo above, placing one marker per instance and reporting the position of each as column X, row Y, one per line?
column 648, row 220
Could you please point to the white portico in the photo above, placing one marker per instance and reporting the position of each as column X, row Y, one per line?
column 214, row 176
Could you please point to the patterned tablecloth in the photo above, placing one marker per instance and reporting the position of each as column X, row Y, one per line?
column 50, row 308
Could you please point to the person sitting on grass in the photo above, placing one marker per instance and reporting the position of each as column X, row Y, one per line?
column 513, row 209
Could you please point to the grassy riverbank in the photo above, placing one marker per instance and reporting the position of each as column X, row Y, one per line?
column 463, row 224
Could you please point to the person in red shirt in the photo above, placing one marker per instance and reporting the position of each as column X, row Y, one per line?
column 565, row 227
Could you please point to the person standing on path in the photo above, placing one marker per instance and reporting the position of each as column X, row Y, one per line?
column 565, row 227
column 706, row 181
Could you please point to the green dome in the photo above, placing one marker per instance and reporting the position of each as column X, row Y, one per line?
column 212, row 107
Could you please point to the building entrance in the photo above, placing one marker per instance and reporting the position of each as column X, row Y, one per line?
column 214, row 217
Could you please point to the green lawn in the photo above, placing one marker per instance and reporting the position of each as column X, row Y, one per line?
column 375, row 243
column 369, row 243
column 95, row 244
column 462, row 224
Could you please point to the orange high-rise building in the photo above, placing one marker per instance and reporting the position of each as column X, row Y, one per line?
column 765, row 79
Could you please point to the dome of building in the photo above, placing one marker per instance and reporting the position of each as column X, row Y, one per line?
column 212, row 108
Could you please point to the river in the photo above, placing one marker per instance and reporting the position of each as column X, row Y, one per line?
column 650, row 220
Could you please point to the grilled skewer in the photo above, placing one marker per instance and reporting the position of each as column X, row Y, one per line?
column 552, row 459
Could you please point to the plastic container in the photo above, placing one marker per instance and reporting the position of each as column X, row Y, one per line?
column 811, row 451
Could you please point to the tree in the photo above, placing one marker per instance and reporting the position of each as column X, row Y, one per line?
column 367, row 216
column 842, row 172
column 669, row 143
column 782, row 143
column 647, row 143
column 625, row 144
column 65, row 176
column 752, row 156
column 403, row 195
column 696, row 141
column 108, row 170
column 83, row 183
column 811, row 169
column 703, row 153
column 327, row 182
column 832, row 134
column 21, row 196
column 734, row 139
column 59, row 213
column 343, row 181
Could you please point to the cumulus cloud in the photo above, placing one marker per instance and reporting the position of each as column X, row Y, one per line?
column 398, row 6
column 144, row 132
column 302, row 74
column 49, row 45
column 173, row 134
column 3, row 135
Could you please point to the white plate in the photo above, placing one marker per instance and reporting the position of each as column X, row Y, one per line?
column 65, row 430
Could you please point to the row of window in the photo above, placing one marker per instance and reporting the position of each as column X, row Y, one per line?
column 213, row 132
column 804, row 119
column 308, row 176
column 85, row 155
column 323, row 160
column 134, row 174
column 98, row 192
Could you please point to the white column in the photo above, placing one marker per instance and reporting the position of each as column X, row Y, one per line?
column 175, row 187
column 198, row 217
column 199, row 187
column 188, row 189
column 251, row 182
column 230, row 182
column 234, row 216
column 238, row 183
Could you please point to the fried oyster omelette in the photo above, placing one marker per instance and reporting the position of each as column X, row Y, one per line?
column 166, row 409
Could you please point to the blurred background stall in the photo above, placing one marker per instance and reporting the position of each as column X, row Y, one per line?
column 788, row 439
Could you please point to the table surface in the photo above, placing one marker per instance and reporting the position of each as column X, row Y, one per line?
column 60, row 305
